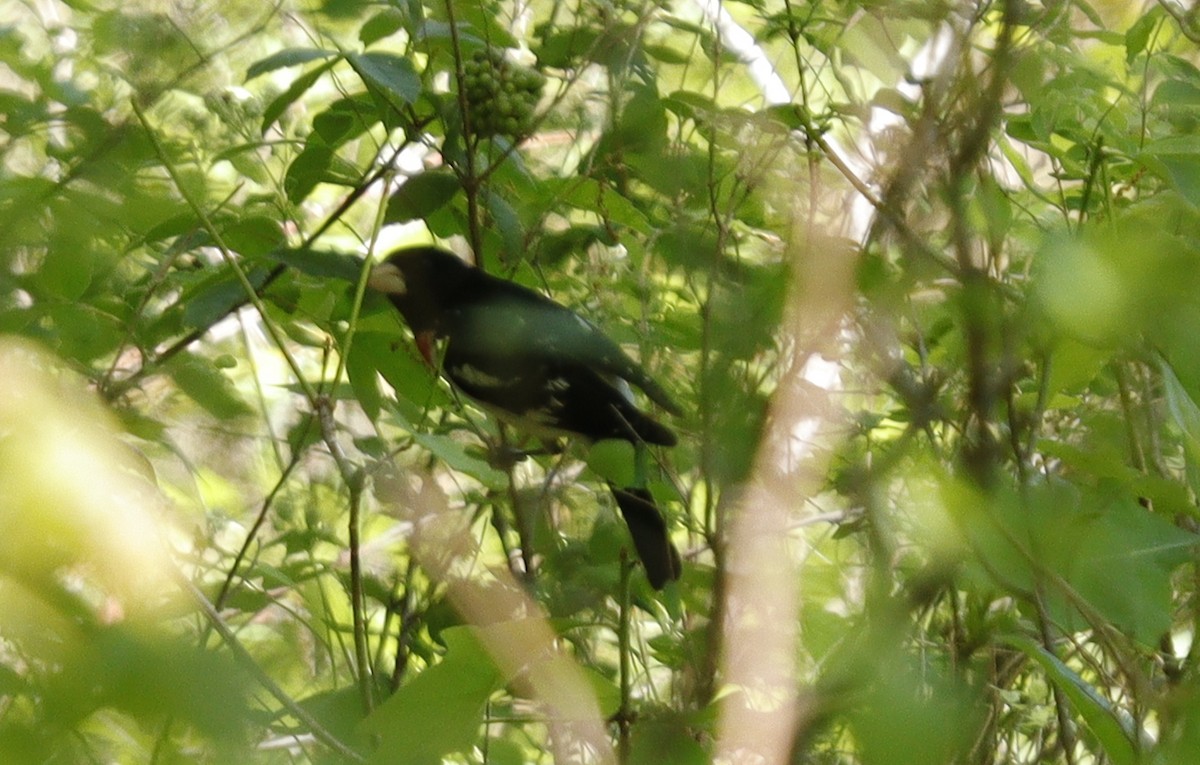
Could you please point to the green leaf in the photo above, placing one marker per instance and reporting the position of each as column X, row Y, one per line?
column 691, row 105
column 398, row 361
column 501, row 751
column 253, row 236
column 320, row 263
column 388, row 73
column 1123, row 536
column 147, row 674
column 1111, row 727
column 440, row 711
column 613, row 460
column 383, row 24
column 345, row 119
column 564, row 48
column 1176, row 159
column 84, row 331
column 1138, row 35
column 339, row 710
column 907, row 712
column 1074, row 365
column 309, row 168
column 298, row 88
column 1174, row 94
column 208, row 387
column 995, row 207
column 361, row 369
column 1182, row 145
column 1182, row 407
column 643, row 121
column 1181, row 169
column 666, row 742
column 476, row 21
column 421, row 196
column 66, row 273
column 461, row 459
column 666, row 54
column 683, row 174
column 1186, row 414
column 506, row 222
column 607, row 692
column 555, row 246
column 1082, row 291
column 1080, row 535
column 285, row 58
column 588, row 194
column 215, row 296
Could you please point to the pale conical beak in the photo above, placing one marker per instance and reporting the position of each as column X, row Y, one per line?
column 387, row 278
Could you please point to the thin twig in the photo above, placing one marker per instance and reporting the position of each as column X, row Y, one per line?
column 243, row 657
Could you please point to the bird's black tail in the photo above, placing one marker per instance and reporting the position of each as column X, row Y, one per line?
column 649, row 532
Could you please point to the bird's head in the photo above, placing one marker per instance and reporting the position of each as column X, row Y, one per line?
column 420, row 281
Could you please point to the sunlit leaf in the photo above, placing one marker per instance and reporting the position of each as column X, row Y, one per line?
column 286, row 58
column 389, row 73
column 297, row 89
column 422, row 195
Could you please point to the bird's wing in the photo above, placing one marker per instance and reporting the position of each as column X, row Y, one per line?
column 517, row 325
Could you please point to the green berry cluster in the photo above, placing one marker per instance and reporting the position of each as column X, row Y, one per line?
column 501, row 95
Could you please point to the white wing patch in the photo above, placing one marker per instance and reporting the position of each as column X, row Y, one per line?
column 540, row 422
column 475, row 376
column 545, row 415
column 623, row 388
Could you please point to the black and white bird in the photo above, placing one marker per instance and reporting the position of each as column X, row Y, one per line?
column 536, row 365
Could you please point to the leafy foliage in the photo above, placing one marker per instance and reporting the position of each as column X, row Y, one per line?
column 245, row 522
